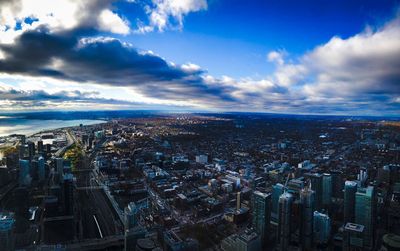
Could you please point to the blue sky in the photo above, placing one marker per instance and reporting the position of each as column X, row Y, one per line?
column 284, row 56
column 232, row 37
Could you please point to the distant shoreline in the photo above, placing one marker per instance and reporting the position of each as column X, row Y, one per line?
column 31, row 127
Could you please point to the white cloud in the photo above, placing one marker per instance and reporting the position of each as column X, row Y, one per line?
column 58, row 15
column 190, row 68
column 109, row 21
column 165, row 14
column 276, row 57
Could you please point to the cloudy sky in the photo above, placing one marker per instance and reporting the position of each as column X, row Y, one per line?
column 281, row 56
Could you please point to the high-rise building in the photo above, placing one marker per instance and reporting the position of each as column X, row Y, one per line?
column 262, row 214
column 238, row 201
column 284, row 220
column 326, row 190
column 350, row 189
column 317, row 187
column 365, row 213
column 353, row 237
column 40, row 147
column 48, row 148
column 41, row 168
column 337, row 183
column 31, row 149
column 60, row 167
column 69, row 194
column 294, row 186
column 277, row 191
column 130, row 215
column 24, row 172
column 321, row 228
column 23, row 151
column 7, row 238
column 307, row 200
column 34, row 172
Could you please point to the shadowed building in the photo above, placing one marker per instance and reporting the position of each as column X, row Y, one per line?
column 284, row 220
column 262, row 214
column 307, row 201
column 365, row 213
column 350, row 189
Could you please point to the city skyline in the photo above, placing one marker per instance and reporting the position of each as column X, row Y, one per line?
column 292, row 57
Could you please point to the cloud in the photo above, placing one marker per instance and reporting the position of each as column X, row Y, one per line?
column 276, row 57
column 169, row 14
column 356, row 75
column 17, row 16
column 109, row 21
column 15, row 99
column 106, row 61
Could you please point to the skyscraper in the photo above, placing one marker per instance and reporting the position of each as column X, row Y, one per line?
column 326, row 190
column 130, row 216
column 262, row 214
column 24, row 176
column 31, row 149
column 41, row 169
column 284, row 220
column 69, row 194
column 322, row 228
column 337, row 183
column 40, row 147
column 350, row 189
column 307, row 200
column 7, row 240
column 317, row 187
column 60, row 167
column 365, row 213
column 277, row 191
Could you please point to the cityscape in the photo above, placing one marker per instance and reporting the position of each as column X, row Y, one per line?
column 114, row 138
column 204, row 182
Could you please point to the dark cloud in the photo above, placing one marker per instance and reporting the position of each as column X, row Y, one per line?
column 103, row 61
column 40, row 98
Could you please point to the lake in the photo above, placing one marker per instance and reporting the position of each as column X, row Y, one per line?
column 21, row 125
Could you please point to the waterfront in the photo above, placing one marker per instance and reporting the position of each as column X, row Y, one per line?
column 21, row 125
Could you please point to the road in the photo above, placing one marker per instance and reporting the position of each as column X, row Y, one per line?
column 97, row 217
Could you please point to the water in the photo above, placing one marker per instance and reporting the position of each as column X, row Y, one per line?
column 29, row 123
column 21, row 125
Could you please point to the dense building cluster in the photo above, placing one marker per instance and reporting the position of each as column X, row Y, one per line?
column 204, row 182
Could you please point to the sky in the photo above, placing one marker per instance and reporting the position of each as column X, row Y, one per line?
column 277, row 56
